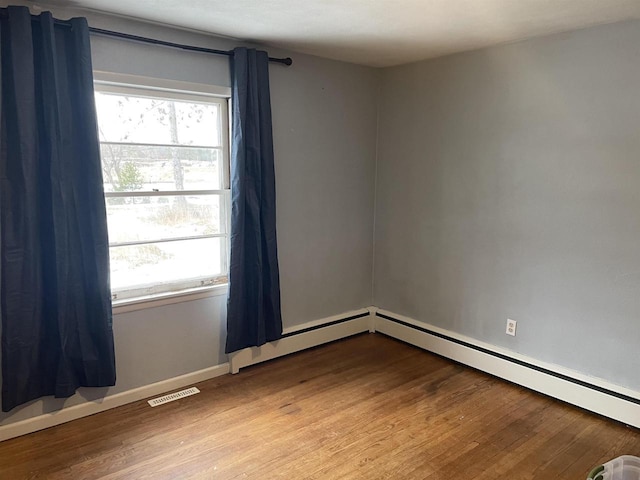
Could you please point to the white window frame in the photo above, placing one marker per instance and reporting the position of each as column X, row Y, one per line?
column 151, row 295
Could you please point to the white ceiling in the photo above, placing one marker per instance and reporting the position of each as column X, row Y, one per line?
column 373, row 32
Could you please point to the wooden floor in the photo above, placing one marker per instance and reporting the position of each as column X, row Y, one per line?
column 366, row 407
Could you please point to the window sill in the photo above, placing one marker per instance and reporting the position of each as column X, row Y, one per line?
column 160, row 299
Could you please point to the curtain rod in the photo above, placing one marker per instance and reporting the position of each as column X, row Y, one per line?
column 127, row 36
column 136, row 38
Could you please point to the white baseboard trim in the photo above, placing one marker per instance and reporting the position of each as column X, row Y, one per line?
column 590, row 393
column 297, row 338
column 305, row 336
column 75, row 412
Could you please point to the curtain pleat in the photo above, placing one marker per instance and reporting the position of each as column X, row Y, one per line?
column 253, row 308
column 54, row 255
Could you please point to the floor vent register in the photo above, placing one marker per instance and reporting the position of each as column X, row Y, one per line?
column 173, row 396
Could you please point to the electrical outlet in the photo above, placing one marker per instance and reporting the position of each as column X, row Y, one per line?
column 511, row 327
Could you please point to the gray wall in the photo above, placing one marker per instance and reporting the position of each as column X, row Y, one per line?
column 324, row 115
column 509, row 186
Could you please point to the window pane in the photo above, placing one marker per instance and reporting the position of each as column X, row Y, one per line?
column 129, row 168
column 161, row 263
column 128, row 118
column 198, row 124
column 157, row 218
column 165, row 145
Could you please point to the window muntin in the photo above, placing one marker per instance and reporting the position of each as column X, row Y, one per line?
column 165, row 168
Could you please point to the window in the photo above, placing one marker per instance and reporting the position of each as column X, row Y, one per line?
column 165, row 167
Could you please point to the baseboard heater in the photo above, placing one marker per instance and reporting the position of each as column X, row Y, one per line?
column 303, row 337
column 515, row 360
column 604, row 400
column 324, row 325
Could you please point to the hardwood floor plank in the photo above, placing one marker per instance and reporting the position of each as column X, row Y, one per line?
column 366, row 407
